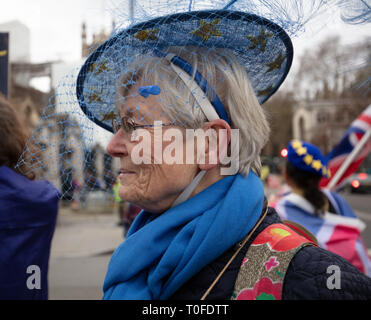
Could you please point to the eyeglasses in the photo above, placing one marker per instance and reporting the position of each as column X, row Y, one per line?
column 128, row 125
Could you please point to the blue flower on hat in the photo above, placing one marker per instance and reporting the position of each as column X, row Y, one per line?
column 146, row 91
column 307, row 157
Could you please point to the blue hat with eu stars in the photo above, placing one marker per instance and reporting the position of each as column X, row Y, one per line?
column 307, row 157
column 84, row 111
column 262, row 46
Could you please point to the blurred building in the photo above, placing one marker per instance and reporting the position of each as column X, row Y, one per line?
column 66, row 158
column 27, row 100
column 49, row 116
column 19, row 41
column 4, row 63
column 62, row 149
column 322, row 122
column 97, row 39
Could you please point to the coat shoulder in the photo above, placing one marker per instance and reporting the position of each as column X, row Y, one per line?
column 318, row 274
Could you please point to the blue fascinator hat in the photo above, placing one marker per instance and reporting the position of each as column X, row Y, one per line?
column 256, row 32
column 261, row 46
column 307, row 157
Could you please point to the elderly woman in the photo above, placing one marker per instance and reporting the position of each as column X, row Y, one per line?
column 204, row 232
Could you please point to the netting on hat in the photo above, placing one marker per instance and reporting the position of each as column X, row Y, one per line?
column 358, row 12
column 355, row 11
column 290, row 15
column 67, row 149
column 131, row 74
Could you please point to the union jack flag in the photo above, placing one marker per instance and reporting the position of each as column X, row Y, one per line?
column 338, row 232
column 346, row 145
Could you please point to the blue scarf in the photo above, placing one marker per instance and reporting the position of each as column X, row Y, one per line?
column 162, row 252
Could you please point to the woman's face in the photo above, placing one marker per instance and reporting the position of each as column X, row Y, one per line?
column 151, row 185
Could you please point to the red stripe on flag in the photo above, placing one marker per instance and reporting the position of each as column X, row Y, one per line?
column 365, row 117
column 343, row 242
column 351, row 169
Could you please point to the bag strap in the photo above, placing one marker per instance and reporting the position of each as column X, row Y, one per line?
column 241, row 245
column 304, row 232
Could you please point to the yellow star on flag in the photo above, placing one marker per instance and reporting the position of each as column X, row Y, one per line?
column 207, row 29
column 324, row 171
column 302, row 150
column 308, row 159
column 316, row 164
column 296, row 144
column 3, row 53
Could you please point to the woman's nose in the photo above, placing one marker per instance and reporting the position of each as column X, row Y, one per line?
column 117, row 146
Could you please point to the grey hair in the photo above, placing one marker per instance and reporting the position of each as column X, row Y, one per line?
column 231, row 83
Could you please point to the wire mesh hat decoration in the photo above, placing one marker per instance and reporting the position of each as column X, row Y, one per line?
column 261, row 46
column 355, row 11
column 257, row 33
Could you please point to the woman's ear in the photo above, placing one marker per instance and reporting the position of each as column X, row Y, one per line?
column 217, row 138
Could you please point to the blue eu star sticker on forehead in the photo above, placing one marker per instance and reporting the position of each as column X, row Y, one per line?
column 146, row 91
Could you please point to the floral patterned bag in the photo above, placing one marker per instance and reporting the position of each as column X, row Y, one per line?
column 265, row 264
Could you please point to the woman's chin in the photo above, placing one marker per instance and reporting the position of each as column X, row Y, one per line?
column 126, row 193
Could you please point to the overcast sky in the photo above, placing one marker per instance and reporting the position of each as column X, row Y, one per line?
column 56, row 25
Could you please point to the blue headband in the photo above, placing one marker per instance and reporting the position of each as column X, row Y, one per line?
column 202, row 83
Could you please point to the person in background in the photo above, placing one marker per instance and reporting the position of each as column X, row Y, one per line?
column 323, row 212
column 28, row 213
column 121, row 203
column 109, row 181
column 75, row 205
column 127, row 211
column 90, row 184
column 66, row 172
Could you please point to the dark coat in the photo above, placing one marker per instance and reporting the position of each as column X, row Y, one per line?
column 28, row 213
column 306, row 277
